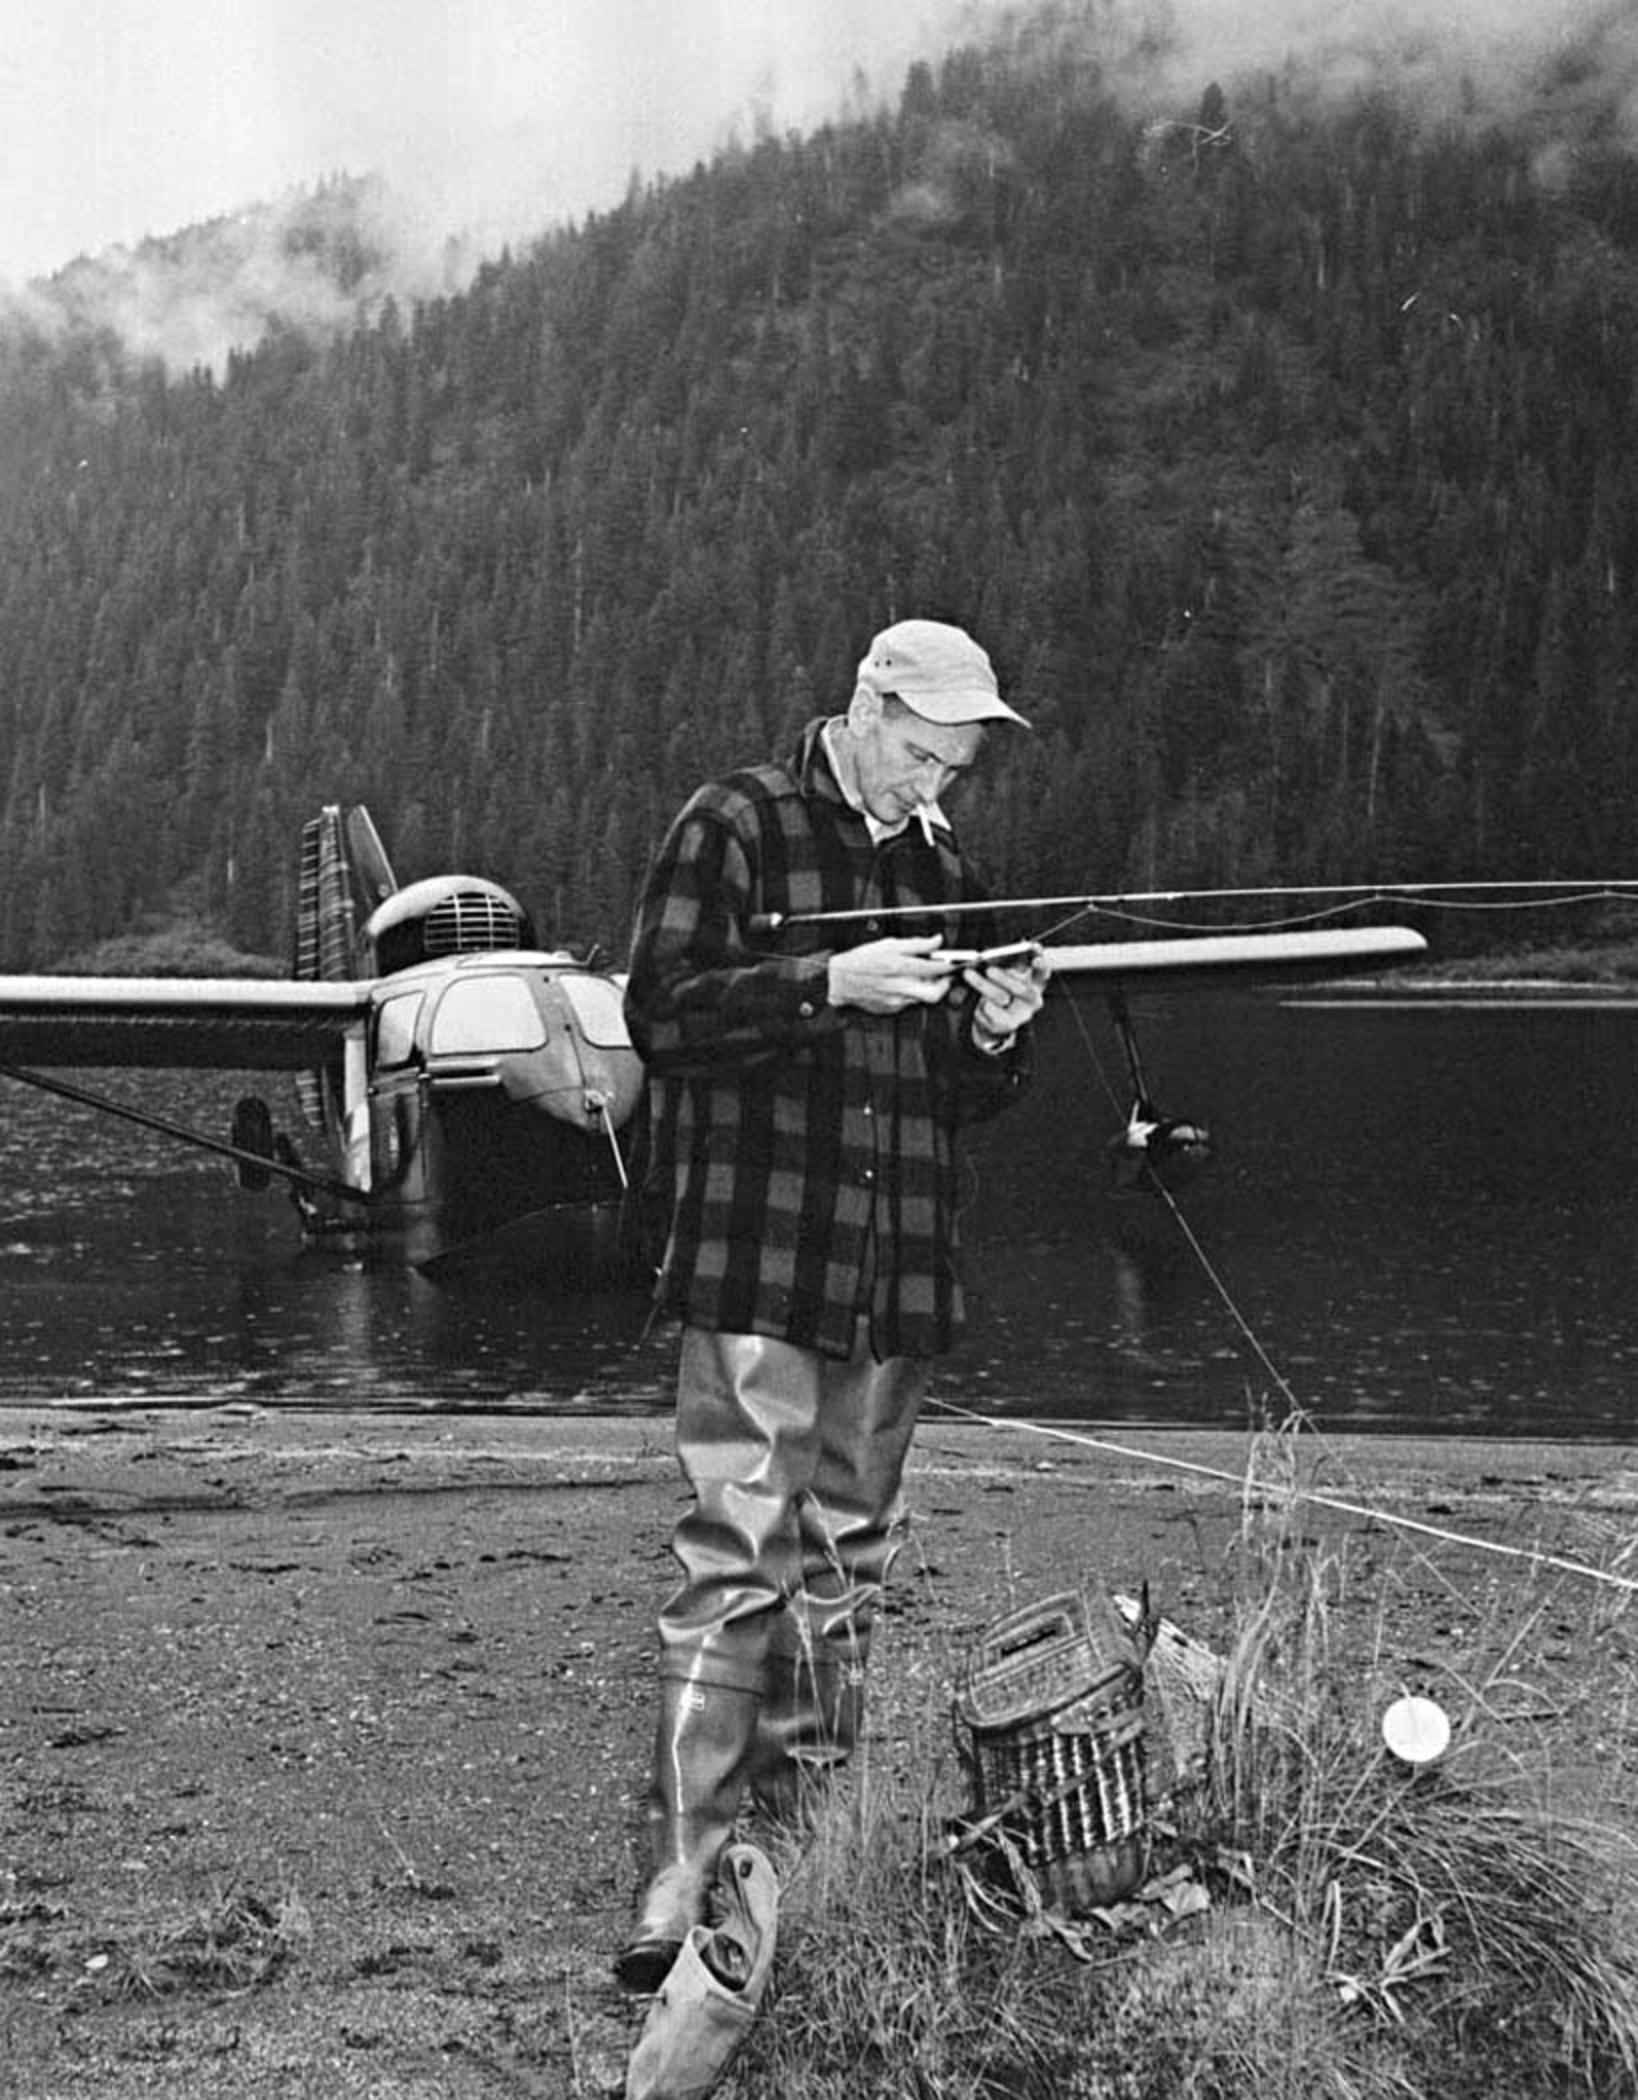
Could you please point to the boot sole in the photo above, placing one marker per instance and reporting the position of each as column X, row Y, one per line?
column 643, row 1966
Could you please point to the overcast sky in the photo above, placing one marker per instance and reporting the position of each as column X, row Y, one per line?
column 120, row 118
column 500, row 118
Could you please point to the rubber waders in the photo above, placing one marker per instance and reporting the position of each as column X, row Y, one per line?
column 808, row 1727
column 701, row 1749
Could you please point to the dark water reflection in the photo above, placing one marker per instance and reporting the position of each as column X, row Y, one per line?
column 1415, row 1221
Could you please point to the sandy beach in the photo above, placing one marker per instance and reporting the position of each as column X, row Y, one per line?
column 322, row 1736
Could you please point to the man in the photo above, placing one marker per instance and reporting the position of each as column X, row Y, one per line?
column 806, row 1082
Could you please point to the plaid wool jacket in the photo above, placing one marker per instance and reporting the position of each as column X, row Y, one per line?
column 805, row 1153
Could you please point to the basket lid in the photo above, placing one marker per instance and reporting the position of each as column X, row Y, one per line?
column 1033, row 1660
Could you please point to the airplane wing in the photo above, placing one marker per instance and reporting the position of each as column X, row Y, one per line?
column 1252, row 957
column 207, row 1023
column 287, row 1024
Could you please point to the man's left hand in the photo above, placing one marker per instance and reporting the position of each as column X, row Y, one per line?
column 1008, row 998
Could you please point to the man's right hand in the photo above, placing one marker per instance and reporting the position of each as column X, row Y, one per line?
column 886, row 976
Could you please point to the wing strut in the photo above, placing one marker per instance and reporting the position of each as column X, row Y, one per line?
column 292, row 1170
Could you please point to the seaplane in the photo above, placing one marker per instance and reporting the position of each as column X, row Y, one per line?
column 472, row 1098
column 473, row 1101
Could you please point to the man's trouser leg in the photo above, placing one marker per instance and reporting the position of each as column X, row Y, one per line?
column 849, row 1527
column 747, row 1443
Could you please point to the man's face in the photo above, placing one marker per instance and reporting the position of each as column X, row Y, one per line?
column 900, row 760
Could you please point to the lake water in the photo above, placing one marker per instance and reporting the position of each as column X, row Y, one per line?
column 1414, row 1221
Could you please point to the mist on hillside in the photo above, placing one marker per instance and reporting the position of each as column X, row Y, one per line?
column 326, row 258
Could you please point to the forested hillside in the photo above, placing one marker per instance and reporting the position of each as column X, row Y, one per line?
column 1283, row 451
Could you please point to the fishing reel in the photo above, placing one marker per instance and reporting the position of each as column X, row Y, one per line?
column 1155, row 1154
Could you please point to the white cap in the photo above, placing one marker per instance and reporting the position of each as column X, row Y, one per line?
column 939, row 672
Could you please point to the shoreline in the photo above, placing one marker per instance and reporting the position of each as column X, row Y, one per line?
column 388, row 1676
column 1592, row 993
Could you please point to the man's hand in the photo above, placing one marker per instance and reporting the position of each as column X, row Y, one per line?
column 886, row 976
column 1008, row 997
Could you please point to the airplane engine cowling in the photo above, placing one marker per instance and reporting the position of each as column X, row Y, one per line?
column 443, row 915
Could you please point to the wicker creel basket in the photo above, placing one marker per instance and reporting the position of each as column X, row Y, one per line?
column 1050, row 1711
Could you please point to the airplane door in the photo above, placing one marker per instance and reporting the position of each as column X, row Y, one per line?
column 398, row 1095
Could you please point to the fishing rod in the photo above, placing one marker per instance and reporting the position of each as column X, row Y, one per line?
column 1579, row 890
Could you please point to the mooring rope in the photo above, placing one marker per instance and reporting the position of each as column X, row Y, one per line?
column 1248, row 1483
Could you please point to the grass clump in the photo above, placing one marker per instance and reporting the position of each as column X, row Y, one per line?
column 235, row 1941
column 1487, row 1944
column 1320, row 1921
column 885, row 1983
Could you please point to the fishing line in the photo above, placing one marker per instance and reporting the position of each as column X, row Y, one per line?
column 1523, row 895
column 1248, row 1483
column 1192, row 1240
column 1230, row 1306
column 1091, row 1049
column 1285, row 921
column 1283, row 924
column 1086, row 911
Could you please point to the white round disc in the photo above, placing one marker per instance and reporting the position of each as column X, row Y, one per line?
column 1416, row 1730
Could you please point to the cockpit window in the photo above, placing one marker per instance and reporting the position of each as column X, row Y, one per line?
column 479, row 1015
column 597, row 1007
column 395, row 1029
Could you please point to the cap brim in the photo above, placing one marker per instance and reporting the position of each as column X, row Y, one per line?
column 953, row 709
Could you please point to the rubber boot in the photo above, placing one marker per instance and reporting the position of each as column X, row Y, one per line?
column 808, row 1727
column 701, row 1749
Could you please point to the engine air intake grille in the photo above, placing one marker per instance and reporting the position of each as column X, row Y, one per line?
column 471, row 922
